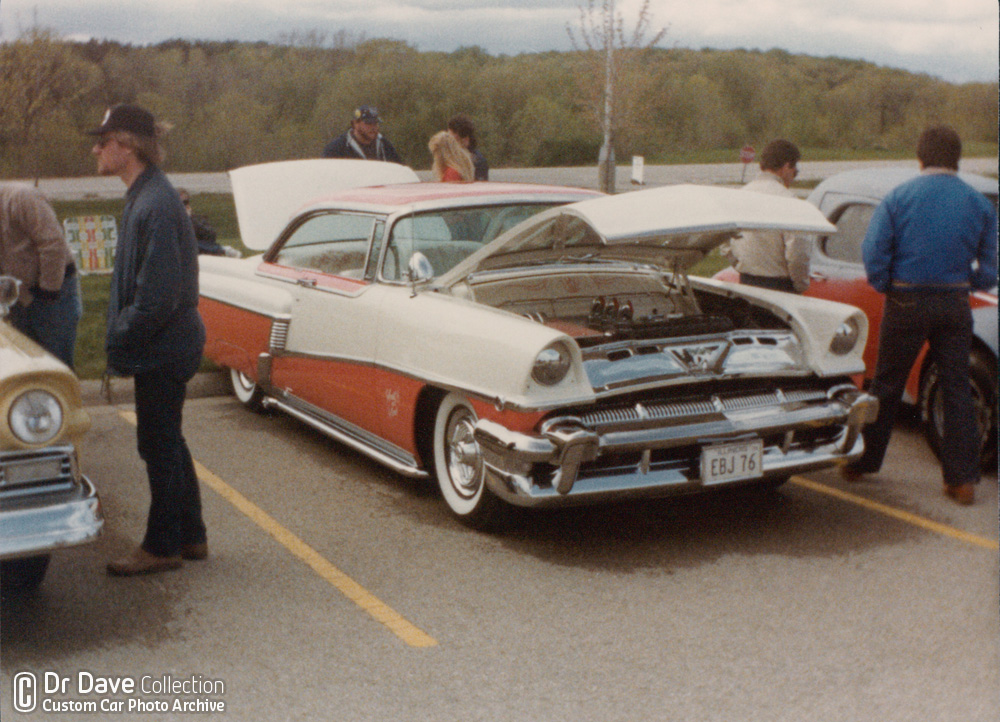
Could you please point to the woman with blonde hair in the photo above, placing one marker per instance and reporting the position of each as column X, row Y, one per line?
column 452, row 162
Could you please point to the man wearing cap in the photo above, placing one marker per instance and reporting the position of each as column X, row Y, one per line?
column 154, row 333
column 34, row 250
column 363, row 139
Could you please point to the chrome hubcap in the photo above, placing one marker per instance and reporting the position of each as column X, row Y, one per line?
column 465, row 463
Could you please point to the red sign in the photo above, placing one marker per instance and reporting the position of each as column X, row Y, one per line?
column 747, row 154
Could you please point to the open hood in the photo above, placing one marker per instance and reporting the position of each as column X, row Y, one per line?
column 268, row 195
column 670, row 227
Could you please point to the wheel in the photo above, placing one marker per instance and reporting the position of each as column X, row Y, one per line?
column 458, row 465
column 24, row 574
column 984, row 401
column 248, row 393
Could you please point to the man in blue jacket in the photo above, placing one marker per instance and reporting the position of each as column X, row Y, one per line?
column 930, row 243
column 363, row 140
column 154, row 333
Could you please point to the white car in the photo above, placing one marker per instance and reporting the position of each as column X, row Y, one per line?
column 566, row 360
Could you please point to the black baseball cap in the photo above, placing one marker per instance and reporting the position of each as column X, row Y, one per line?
column 367, row 114
column 130, row 118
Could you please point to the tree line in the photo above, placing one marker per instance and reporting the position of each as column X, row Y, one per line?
column 237, row 103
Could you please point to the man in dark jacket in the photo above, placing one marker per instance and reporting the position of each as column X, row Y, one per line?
column 362, row 141
column 154, row 333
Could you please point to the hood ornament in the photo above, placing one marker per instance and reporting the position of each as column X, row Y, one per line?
column 702, row 358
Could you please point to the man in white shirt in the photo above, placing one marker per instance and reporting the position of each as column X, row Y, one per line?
column 772, row 259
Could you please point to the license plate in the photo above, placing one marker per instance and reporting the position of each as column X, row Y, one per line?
column 732, row 462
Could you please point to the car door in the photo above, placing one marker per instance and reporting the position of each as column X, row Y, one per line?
column 327, row 361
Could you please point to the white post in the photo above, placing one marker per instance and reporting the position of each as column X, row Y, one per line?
column 606, row 160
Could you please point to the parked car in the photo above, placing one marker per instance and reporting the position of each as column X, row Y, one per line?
column 849, row 199
column 569, row 359
column 46, row 503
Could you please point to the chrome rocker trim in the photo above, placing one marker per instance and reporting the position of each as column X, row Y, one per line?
column 348, row 434
column 565, row 445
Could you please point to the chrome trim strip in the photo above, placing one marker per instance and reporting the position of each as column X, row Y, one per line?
column 397, row 459
column 295, row 282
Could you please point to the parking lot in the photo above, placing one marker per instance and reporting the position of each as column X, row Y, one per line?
column 339, row 590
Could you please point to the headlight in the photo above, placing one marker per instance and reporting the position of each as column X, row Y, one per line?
column 36, row 417
column 551, row 365
column 845, row 338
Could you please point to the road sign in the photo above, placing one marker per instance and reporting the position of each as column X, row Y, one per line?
column 747, row 154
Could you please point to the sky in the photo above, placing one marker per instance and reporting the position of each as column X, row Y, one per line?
column 957, row 40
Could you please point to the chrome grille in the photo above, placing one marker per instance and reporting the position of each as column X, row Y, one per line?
column 26, row 470
column 279, row 334
column 699, row 407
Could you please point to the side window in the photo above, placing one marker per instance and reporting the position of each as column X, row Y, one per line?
column 447, row 237
column 334, row 243
column 852, row 224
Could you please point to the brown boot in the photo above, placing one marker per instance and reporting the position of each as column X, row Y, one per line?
column 964, row 494
column 142, row 562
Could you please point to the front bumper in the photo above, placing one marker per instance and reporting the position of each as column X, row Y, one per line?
column 39, row 515
column 649, row 452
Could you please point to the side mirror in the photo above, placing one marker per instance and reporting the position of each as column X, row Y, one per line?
column 419, row 269
column 10, row 287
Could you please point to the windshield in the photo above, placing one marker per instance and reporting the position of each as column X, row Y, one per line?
column 447, row 237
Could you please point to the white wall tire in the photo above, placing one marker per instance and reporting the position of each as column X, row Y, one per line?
column 458, row 464
column 245, row 390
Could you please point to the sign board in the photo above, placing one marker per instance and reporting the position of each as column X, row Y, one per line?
column 93, row 240
column 747, row 154
column 638, row 170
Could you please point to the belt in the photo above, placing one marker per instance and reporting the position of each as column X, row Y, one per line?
column 904, row 286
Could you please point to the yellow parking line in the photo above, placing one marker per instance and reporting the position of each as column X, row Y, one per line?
column 368, row 602
column 899, row 514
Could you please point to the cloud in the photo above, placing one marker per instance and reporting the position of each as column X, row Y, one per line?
column 955, row 39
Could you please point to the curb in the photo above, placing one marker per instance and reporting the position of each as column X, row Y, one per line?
column 204, row 385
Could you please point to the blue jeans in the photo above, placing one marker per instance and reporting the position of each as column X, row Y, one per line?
column 943, row 319
column 175, row 501
column 52, row 323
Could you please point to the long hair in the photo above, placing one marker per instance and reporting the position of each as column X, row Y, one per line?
column 150, row 150
column 449, row 153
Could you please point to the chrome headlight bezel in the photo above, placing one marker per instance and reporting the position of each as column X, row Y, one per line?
column 552, row 364
column 845, row 338
column 36, row 417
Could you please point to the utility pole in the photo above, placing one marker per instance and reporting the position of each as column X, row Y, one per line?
column 606, row 159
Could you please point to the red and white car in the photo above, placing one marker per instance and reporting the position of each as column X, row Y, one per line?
column 532, row 345
column 837, row 273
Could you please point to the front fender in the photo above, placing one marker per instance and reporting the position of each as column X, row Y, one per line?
column 456, row 344
column 815, row 321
